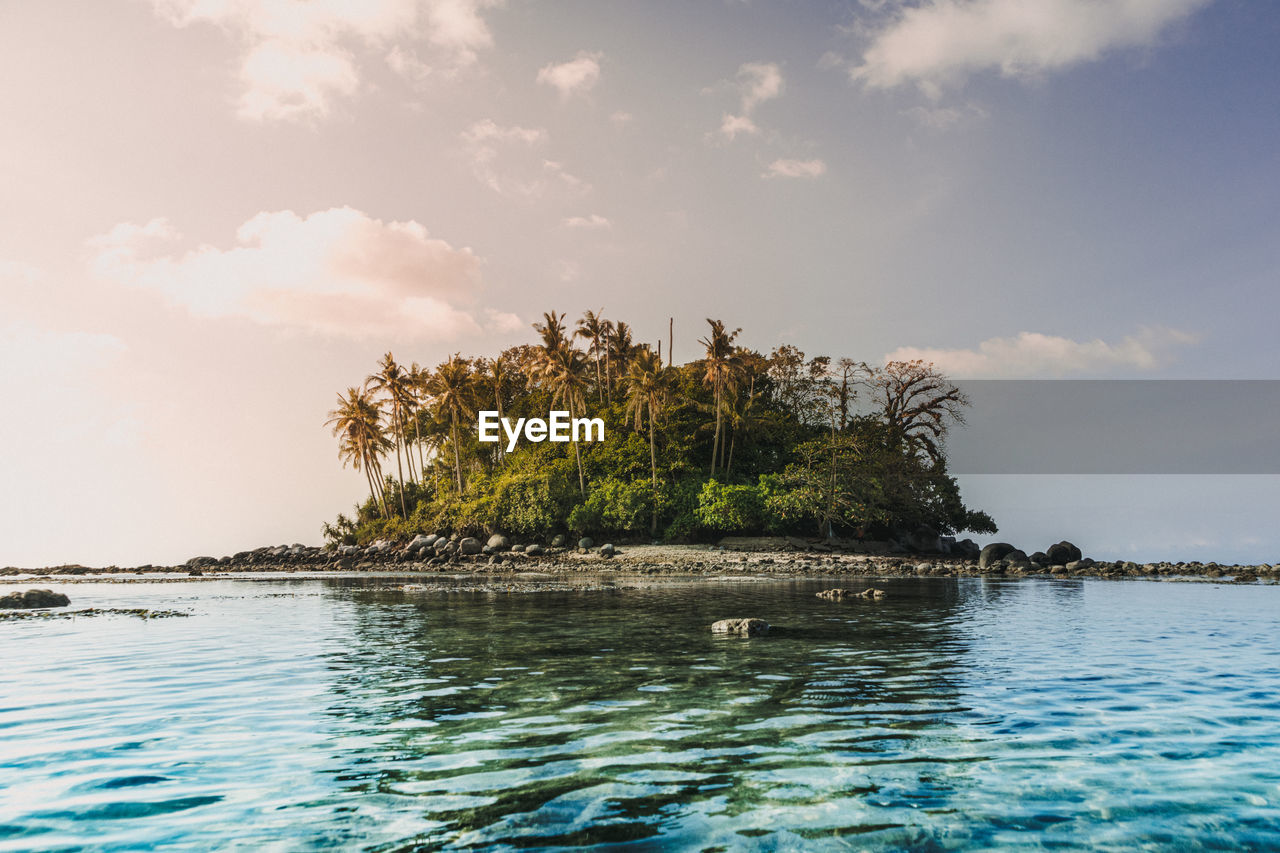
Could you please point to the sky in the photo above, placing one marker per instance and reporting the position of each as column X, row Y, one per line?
column 220, row 213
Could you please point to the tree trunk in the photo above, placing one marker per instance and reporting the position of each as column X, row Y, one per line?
column 653, row 467
column 577, row 454
column 404, row 513
column 457, row 458
column 715, row 444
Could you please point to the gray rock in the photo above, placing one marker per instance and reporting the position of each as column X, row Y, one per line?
column 586, row 542
column 33, row 599
column 517, row 548
column 440, row 545
column 469, row 545
column 498, row 542
column 1017, row 558
column 1041, row 558
column 966, row 548
column 1062, row 553
column 741, row 627
column 559, row 540
column 607, row 550
column 993, row 552
column 534, row 550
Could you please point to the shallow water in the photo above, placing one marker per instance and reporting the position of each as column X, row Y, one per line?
column 320, row 714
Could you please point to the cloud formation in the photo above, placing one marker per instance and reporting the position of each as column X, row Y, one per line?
column 941, row 42
column 337, row 272
column 301, row 57
column 575, row 77
column 1035, row 355
column 506, row 160
column 593, row 222
column 755, row 82
column 783, row 168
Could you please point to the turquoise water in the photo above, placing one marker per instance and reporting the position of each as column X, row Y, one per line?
column 957, row 714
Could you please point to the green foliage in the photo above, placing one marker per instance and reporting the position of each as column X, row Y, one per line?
column 731, row 508
column 614, row 506
column 794, row 455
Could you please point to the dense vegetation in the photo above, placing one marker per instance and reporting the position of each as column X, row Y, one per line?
column 735, row 442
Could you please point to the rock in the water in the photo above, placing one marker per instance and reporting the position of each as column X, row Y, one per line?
column 842, row 594
column 469, row 545
column 1062, row 553
column 586, row 543
column 1017, row 557
column 534, row 550
column 1041, row 558
column 741, row 627
column 966, row 548
column 498, row 542
column 607, row 550
column 993, row 552
column 559, row 540
column 33, row 599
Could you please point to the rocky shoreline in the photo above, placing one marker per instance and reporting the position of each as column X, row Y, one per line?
column 761, row 556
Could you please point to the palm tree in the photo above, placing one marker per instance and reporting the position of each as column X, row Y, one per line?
column 495, row 374
column 618, row 348
column 551, row 329
column 647, row 384
column 453, row 387
column 392, row 380
column 721, row 366
column 594, row 329
column 563, row 369
column 418, row 378
column 357, row 421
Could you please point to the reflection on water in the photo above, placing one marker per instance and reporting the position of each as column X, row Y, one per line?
column 956, row 713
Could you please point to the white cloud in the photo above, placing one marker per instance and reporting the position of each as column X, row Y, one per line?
column 940, row 42
column 575, row 77
column 507, row 161
column 755, row 83
column 758, row 82
column 731, row 126
column 1032, row 354
column 795, row 169
column 337, row 272
column 594, row 221
column 299, row 57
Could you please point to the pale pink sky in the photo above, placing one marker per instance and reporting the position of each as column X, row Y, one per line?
column 218, row 213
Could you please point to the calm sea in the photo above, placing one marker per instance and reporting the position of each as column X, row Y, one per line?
column 956, row 714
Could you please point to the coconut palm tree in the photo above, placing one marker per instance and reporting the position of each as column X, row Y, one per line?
column 618, row 348
column 357, row 422
column 648, row 383
column 393, row 382
column 453, row 387
column 551, row 330
column 720, row 370
column 594, row 328
column 563, row 370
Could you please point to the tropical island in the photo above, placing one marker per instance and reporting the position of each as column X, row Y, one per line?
column 734, row 442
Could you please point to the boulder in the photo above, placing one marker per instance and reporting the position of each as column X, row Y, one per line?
column 517, row 547
column 559, row 540
column 498, row 542
column 1017, row 557
column 1062, row 553
column 607, row 550
column 440, row 545
column 534, row 550
column 966, row 548
column 994, row 552
column 586, row 543
column 469, row 545
column 1041, row 558
column 33, row 599
column 741, row 627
